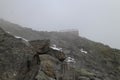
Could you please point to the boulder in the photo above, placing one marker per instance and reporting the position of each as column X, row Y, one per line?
column 14, row 58
column 57, row 54
column 40, row 46
column 49, row 65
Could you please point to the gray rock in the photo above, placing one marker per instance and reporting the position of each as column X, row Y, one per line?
column 83, row 78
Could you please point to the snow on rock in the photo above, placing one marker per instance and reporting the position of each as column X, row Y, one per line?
column 24, row 40
column 83, row 51
column 18, row 37
column 21, row 38
column 70, row 59
column 55, row 48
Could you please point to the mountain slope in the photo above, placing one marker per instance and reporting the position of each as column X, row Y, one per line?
column 19, row 61
column 92, row 61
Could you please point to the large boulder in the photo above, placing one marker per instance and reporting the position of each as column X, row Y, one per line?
column 50, row 65
column 43, row 47
column 57, row 54
column 14, row 58
column 40, row 46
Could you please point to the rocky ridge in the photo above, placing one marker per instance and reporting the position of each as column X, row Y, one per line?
column 19, row 61
column 85, row 59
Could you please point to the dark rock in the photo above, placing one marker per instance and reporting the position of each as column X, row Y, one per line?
column 40, row 46
column 43, row 47
column 14, row 57
column 50, row 65
column 58, row 54
column 42, row 76
column 83, row 78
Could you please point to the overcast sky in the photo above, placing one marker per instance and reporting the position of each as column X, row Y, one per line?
column 98, row 20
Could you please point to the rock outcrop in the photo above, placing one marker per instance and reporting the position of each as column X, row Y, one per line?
column 19, row 61
column 42, row 59
column 14, row 58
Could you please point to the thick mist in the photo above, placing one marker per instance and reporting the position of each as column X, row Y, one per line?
column 97, row 20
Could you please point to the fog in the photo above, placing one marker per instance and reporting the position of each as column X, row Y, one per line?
column 98, row 20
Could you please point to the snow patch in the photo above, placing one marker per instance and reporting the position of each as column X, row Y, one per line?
column 83, row 51
column 70, row 59
column 25, row 41
column 55, row 48
column 18, row 37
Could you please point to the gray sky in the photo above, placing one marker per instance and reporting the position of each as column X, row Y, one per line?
column 98, row 20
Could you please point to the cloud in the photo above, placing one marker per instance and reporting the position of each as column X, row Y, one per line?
column 96, row 19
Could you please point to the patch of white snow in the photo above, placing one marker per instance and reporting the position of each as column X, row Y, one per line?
column 55, row 48
column 83, row 51
column 24, row 40
column 70, row 59
column 18, row 37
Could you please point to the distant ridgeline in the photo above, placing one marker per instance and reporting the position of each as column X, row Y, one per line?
column 71, row 31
